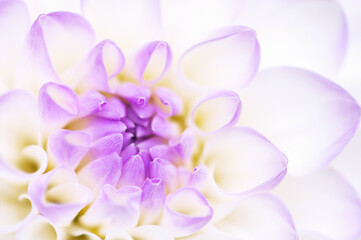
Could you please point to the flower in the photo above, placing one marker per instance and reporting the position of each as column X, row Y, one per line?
column 147, row 120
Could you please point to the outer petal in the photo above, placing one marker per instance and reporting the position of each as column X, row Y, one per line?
column 229, row 59
column 14, row 23
column 323, row 202
column 259, row 217
column 308, row 117
column 187, row 211
column 242, row 161
column 38, row 7
column 15, row 206
column 129, row 23
column 144, row 232
column 308, row 34
column 56, row 42
column 19, row 135
column 58, row 196
column 37, row 228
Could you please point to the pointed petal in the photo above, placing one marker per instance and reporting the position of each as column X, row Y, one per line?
column 187, row 211
column 308, row 117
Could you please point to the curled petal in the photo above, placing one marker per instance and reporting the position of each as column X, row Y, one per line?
column 91, row 102
column 163, row 128
column 186, row 212
column 37, row 228
column 69, row 147
column 228, row 60
column 57, row 104
column 337, row 217
column 115, row 206
column 19, row 135
column 142, row 18
column 104, row 62
column 242, row 161
column 310, row 118
column 152, row 201
column 185, row 145
column 152, row 62
column 114, row 109
column 16, row 207
column 216, row 111
column 170, row 103
column 259, row 217
column 14, row 23
column 134, row 94
column 166, row 171
column 57, row 41
column 58, row 196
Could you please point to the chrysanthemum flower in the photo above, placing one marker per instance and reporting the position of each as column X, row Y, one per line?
column 152, row 120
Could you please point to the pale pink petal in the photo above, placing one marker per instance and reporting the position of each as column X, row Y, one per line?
column 259, row 217
column 152, row 62
column 187, row 211
column 58, row 196
column 308, row 117
column 152, row 201
column 129, row 23
column 14, row 24
column 323, row 202
column 307, row 34
column 115, row 207
column 229, row 59
column 57, row 41
column 104, row 62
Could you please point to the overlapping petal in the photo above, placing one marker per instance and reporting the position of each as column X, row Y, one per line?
column 308, row 117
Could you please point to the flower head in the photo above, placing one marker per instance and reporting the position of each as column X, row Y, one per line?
column 123, row 123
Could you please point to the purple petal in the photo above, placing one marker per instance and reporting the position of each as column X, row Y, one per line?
column 324, row 203
column 69, row 147
column 310, row 118
column 170, row 103
column 229, row 59
column 58, row 196
column 91, row 102
column 133, row 93
column 186, row 212
column 162, row 128
column 185, row 145
column 216, row 110
column 57, row 104
column 242, row 161
column 104, row 62
column 133, row 172
column 105, row 146
column 165, row 152
column 152, row 201
column 118, row 207
column 102, row 171
column 167, row 172
column 152, row 62
column 114, row 109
